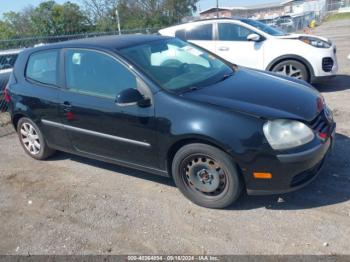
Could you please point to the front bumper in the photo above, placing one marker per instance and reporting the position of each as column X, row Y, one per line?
column 321, row 61
column 289, row 171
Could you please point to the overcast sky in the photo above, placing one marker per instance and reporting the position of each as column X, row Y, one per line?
column 16, row 5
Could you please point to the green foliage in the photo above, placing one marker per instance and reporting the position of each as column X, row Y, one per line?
column 338, row 16
column 153, row 13
column 50, row 18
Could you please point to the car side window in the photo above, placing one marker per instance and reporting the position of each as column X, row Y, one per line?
column 42, row 67
column 233, row 32
column 200, row 32
column 181, row 34
column 94, row 73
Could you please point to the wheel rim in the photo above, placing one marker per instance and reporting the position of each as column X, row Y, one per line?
column 30, row 138
column 290, row 70
column 204, row 175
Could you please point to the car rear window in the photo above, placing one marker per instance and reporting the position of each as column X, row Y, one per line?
column 42, row 67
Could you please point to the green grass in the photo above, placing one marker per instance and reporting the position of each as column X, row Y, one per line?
column 340, row 16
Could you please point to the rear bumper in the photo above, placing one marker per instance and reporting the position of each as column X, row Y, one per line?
column 290, row 172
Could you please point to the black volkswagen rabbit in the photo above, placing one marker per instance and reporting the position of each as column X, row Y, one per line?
column 167, row 107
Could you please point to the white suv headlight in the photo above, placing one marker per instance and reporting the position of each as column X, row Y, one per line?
column 316, row 42
column 285, row 134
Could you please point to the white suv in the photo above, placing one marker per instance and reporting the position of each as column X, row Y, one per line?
column 253, row 44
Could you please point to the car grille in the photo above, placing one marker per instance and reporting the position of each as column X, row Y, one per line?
column 327, row 64
column 320, row 124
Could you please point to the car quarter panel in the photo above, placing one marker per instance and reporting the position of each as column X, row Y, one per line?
column 36, row 101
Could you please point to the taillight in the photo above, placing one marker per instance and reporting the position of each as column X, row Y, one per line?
column 7, row 95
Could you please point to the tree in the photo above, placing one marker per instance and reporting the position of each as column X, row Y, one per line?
column 18, row 23
column 49, row 18
column 100, row 13
column 178, row 9
column 137, row 13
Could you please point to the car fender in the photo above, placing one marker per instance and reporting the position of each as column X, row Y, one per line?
column 291, row 57
column 230, row 131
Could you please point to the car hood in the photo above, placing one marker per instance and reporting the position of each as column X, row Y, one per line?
column 261, row 94
column 296, row 36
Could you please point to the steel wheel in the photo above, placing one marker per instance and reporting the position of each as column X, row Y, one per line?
column 30, row 138
column 204, row 175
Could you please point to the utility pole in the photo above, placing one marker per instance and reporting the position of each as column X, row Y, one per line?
column 217, row 8
column 118, row 20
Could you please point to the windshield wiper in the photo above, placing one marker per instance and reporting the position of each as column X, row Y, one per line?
column 225, row 76
column 190, row 89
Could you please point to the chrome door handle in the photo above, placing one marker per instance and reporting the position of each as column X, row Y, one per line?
column 224, row 48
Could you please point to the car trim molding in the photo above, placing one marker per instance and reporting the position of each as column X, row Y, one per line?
column 94, row 133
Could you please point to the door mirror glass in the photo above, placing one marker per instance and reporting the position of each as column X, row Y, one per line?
column 130, row 97
column 253, row 37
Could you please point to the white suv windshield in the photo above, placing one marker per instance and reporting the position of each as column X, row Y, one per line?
column 263, row 27
column 176, row 65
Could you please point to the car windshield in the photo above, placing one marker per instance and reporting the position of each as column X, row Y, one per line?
column 176, row 65
column 263, row 27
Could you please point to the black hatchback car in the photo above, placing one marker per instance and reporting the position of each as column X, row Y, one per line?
column 164, row 106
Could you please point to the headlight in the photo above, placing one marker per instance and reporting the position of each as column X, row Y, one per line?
column 316, row 42
column 285, row 134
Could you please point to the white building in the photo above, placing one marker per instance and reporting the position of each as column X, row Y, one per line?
column 268, row 11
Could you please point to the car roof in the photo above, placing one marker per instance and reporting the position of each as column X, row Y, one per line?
column 106, row 42
column 199, row 21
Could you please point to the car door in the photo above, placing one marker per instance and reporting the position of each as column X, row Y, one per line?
column 200, row 34
column 40, row 94
column 95, row 124
column 232, row 45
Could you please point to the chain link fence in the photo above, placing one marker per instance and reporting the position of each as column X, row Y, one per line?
column 25, row 42
column 297, row 23
column 5, row 120
column 335, row 5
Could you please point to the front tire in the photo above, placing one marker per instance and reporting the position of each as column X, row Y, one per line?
column 32, row 140
column 292, row 68
column 206, row 176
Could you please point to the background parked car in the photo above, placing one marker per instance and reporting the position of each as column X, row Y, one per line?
column 270, row 22
column 7, row 61
column 254, row 44
column 285, row 23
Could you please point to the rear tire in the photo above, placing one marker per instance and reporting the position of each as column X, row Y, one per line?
column 206, row 175
column 32, row 140
column 292, row 68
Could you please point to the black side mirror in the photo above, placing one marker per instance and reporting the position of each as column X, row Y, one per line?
column 131, row 96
